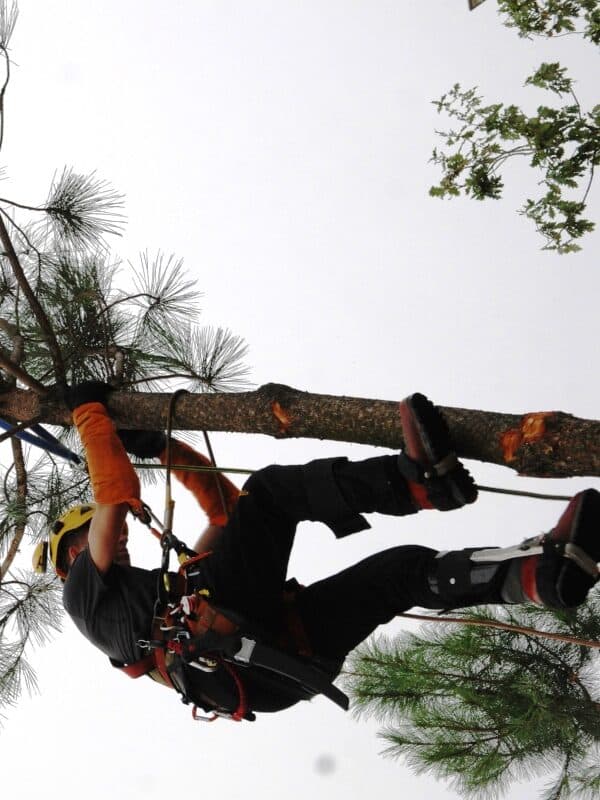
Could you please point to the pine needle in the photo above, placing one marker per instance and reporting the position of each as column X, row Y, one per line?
column 83, row 208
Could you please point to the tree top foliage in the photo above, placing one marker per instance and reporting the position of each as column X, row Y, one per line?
column 560, row 142
column 483, row 707
column 552, row 17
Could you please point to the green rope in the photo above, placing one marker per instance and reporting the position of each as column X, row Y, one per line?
column 190, row 468
column 240, row 471
column 213, row 463
column 536, row 495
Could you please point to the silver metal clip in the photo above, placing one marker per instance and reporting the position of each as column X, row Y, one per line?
column 244, row 654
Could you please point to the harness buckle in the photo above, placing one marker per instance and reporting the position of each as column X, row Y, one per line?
column 244, row 654
column 204, row 664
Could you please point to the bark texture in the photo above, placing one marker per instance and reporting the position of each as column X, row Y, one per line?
column 537, row 444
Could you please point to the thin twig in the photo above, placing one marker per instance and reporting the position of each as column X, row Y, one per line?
column 22, row 206
column 2, row 93
column 20, row 526
column 505, row 626
column 589, row 186
column 127, row 298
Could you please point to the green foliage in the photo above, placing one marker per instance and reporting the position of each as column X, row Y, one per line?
column 148, row 336
column 8, row 20
column 552, row 17
column 29, row 611
column 482, row 707
column 562, row 142
column 82, row 209
column 81, row 324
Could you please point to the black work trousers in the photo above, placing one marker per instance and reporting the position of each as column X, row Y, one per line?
column 247, row 570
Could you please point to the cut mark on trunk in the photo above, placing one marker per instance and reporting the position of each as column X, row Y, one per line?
column 282, row 417
column 532, row 429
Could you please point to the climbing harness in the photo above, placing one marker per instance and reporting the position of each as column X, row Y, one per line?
column 190, row 633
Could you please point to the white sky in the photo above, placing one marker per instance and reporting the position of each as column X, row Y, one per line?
column 282, row 150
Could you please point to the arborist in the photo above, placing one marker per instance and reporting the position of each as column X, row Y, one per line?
column 230, row 632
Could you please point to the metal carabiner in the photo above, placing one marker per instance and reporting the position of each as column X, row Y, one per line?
column 201, row 718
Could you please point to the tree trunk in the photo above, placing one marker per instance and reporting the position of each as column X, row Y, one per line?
column 538, row 444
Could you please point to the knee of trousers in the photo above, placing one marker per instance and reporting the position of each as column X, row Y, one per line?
column 326, row 502
column 278, row 487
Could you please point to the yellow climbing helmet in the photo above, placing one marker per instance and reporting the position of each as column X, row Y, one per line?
column 70, row 521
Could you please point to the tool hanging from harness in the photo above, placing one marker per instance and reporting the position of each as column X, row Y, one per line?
column 39, row 437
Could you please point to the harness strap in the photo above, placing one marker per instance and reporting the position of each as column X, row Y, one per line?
column 138, row 668
column 294, row 637
column 160, row 659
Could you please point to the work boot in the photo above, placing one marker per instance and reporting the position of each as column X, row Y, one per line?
column 555, row 569
column 435, row 476
column 561, row 575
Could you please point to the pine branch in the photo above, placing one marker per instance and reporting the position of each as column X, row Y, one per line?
column 162, row 282
column 8, row 20
column 35, row 306
column 83, row 208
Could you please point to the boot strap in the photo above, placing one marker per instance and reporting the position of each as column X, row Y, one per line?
column 537, row 546
column 581, row 558
column 530, row 547
column 418, row 473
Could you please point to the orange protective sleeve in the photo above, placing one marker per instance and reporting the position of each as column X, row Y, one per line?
column 112, row 476
column 203, row 485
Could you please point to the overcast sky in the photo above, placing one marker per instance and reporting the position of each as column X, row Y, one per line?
column 281, row 149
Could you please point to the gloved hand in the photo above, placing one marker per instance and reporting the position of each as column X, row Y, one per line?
column 144, row 444
column 87, row 392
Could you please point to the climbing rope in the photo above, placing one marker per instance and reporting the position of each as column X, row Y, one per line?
column 213, row 463
column 195, row 468
column 241, row 471
column 521, row 493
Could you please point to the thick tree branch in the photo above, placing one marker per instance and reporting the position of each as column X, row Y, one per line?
column 34, row 304
column 544, row 444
